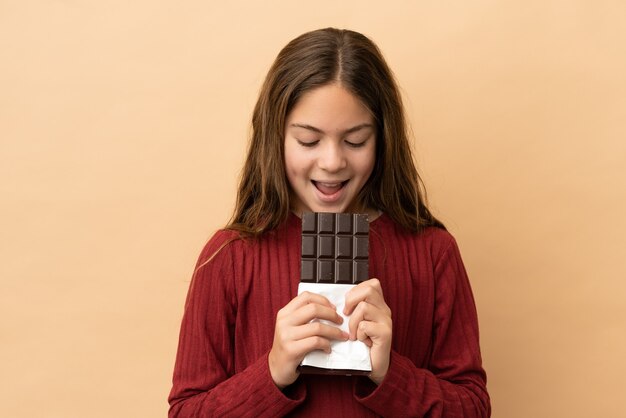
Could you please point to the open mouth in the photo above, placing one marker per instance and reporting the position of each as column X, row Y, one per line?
column 327, row 188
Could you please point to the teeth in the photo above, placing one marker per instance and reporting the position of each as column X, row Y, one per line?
column 328, row 188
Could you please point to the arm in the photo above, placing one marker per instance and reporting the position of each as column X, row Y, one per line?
column 454, row 385
column 205, row 382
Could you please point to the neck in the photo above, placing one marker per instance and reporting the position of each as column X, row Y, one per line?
column 372, row 214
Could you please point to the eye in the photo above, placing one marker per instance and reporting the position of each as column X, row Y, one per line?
column 356, row 143
column 308, row 144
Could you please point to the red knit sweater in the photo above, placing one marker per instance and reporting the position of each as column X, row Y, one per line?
column 228, row 327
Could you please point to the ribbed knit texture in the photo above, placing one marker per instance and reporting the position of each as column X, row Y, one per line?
column 228, row 327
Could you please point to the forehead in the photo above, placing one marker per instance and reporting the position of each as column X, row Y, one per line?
column 330, row 108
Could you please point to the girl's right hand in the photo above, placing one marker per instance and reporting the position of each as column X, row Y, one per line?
column 295, row 335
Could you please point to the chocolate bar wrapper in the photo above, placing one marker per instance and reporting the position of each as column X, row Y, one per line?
column 346, row 357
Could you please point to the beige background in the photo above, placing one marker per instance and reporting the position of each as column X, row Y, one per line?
column 122, row 131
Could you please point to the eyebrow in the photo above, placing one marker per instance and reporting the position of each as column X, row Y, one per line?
column 319, row 131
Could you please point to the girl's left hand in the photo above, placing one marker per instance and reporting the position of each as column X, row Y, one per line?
column 371, row 323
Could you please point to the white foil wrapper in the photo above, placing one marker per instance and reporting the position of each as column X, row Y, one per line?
column 351, row 355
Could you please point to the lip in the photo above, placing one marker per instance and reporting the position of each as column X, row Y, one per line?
column 329, row 183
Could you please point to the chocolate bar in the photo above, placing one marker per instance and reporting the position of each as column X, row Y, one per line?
column 334, row 248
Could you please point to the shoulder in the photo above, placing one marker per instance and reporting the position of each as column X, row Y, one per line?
column 220, row 246
column 430, row 245
column 236, row 246
column 442, row 245
column 437, row 238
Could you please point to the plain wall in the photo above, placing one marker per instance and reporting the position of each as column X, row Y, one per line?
column 123, row 127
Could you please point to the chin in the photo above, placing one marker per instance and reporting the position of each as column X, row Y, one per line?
column 333, row 209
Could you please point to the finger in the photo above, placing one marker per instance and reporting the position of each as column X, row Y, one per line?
column 304, row 299
column 373, row 331
column 369, row 291
column 318, row 329
column 302, row 347
column 307, row 297
column 361, row 334
column 368, row 312
column 312, row 311
column 363, row 312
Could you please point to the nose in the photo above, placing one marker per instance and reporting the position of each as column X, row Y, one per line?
column 331, row 158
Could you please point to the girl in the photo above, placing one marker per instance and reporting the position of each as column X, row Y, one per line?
column 329, row 135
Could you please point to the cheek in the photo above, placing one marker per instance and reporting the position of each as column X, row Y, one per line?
column 293, row 168
column 292, row 176
column 367, row 166
column 296, row 164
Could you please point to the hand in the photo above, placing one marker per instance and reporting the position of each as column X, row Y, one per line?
column 371, row 323
column 295, row 335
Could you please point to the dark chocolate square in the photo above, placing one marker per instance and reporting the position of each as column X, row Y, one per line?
column 334, row 248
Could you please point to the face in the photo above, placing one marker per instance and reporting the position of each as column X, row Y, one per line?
column 330, row 150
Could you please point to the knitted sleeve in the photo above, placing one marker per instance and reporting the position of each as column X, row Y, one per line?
column 454, row 383
column 205, row 382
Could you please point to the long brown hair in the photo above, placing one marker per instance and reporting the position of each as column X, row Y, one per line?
column 312, row 60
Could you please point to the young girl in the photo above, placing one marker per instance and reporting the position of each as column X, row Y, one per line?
column 329, row 135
